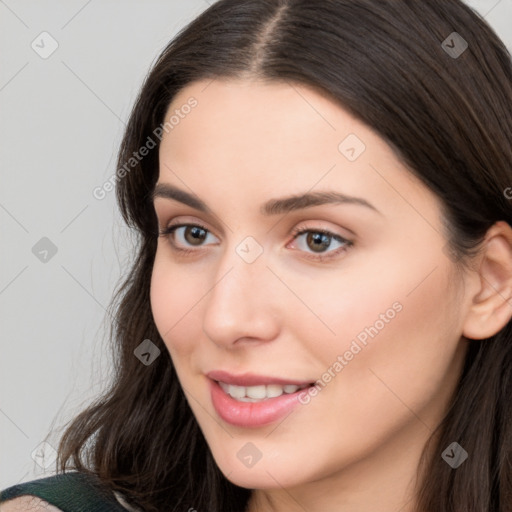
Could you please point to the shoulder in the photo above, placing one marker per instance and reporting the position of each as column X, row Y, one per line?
column 73, row 491
column 28, row 503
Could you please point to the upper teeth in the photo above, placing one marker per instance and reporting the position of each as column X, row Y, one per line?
column 256, row 393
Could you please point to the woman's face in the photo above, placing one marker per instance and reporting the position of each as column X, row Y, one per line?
column 364, row 300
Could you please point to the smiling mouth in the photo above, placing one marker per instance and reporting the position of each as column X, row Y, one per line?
column 253, row 401
column 260, row 392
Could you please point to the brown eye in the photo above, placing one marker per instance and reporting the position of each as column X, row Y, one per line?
column 194, row 235
column 320, row 244
column 317, row 241
column 184, row 236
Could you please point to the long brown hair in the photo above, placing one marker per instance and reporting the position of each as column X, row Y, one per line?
column 447, row 115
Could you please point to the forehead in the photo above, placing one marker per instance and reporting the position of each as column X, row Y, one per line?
column 276, row 138
column 263, row 118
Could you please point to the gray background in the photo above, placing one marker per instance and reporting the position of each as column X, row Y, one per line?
column 61, row 122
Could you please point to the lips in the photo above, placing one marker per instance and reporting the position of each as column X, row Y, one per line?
column 251, row 400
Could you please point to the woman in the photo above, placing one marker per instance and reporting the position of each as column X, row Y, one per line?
column 318, row 315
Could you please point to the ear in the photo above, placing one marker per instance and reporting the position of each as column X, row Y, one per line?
column 491, row 307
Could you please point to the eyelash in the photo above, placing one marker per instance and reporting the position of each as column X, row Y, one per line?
column 169, row 230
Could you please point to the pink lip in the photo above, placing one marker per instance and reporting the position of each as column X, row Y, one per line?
column 250, row 379
column 251, row 414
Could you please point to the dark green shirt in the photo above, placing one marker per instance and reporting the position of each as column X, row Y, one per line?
column 70, row 492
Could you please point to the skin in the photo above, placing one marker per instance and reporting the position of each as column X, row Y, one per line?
column 356, row 445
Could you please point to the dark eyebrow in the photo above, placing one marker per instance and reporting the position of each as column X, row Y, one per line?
column 271, row 207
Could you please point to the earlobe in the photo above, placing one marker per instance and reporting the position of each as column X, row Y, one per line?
column 491, row 307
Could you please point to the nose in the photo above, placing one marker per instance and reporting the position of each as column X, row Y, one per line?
column 242, row 305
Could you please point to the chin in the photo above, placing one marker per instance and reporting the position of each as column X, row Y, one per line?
column 262, row 475
column 253, row 479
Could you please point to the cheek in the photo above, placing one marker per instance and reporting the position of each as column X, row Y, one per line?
column 391, row 328
column 407, row 357
column 175, row 302
column 349, row 310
